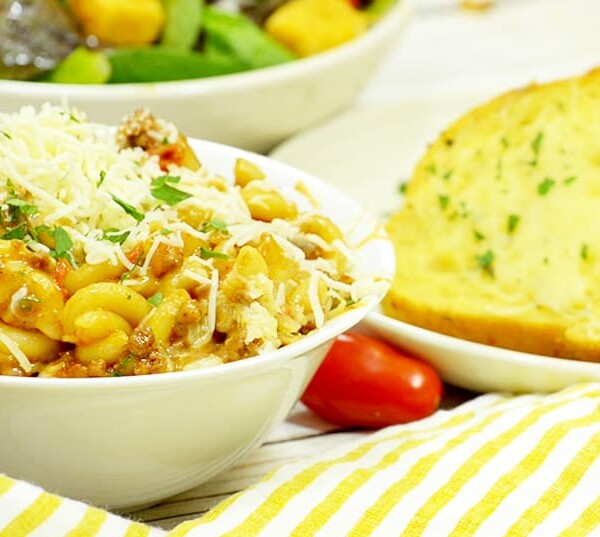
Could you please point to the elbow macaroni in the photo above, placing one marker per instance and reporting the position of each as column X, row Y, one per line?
column 168, row 268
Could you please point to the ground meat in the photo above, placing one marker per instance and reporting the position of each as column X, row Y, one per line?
column 141, row 341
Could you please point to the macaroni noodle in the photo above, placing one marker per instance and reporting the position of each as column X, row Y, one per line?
column 121, row 255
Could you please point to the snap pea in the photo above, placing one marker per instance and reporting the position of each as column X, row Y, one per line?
column 156, row 64
column 235, row 36
column 82, row 66
column 183, row 23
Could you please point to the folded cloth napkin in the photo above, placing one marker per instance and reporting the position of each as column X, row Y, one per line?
column 497, row 465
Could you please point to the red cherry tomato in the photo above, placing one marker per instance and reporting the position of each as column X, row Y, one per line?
column 365, row 382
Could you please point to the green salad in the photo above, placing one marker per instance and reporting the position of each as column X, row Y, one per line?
column 129, row 41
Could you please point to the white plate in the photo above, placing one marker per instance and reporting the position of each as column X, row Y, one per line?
column 482, row 368
column 368, row 152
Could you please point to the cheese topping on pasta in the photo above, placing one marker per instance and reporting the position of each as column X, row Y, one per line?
column 121, row 255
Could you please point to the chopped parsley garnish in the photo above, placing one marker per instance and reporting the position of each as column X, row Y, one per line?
column 485, row 261
column 402, row 187
column 545, row 186
column 584, row 251
column 62, row 244
column 162, row 190
column 447, row 175
column 115, row 235
column 37, row 230
column 125, row 366
column 535, row 147
column 101, row 180
column 443, row 200
column 478, row 235
column 570, row 180
column 215, row 224
column 6, row 135
column 129, row 209
column 19, row 206
column 513, row 221
column 156, row 299
column 432, row 169
column 19, row 232
column 205, row 253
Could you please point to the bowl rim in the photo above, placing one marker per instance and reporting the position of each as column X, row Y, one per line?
column 394, row 17
column 250, row 365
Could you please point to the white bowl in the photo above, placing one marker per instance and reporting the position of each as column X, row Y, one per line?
column 253, row 110
column 131, row 441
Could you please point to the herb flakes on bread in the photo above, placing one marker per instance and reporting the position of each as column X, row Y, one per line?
column 498, row 239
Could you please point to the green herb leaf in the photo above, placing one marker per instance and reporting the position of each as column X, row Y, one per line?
column 443, row 200
column 162, row 190
column 129, row 209
column 535, row 147
column 62, row 240
column 164, row 179
column 584, row 251
column 545, row 186
column 205, row 253
column 19, row 232
column 6, row 135
column 156, row 299
column 115, row 235
column 37, row 230
column 478, row 235
column 101, row 180
column 215, row 224
column 22, row 205
column 485, row 261
column 513, row 221
column 62, row 244
column 570, row 180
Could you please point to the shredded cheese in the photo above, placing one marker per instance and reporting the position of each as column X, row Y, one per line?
column 14, row 349
column 101, row 203
column 18, row 295
column 313, row 297
column 212, row 301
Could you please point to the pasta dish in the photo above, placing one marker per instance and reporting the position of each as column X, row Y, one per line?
column 120, row 254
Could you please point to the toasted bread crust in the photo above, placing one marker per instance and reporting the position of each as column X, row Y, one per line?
column 498, row 239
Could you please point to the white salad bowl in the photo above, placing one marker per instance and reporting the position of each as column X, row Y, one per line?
column 130, row 441
column 253, row 110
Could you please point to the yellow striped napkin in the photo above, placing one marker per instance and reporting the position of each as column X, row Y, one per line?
column 27, row 510
column 498, row 465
